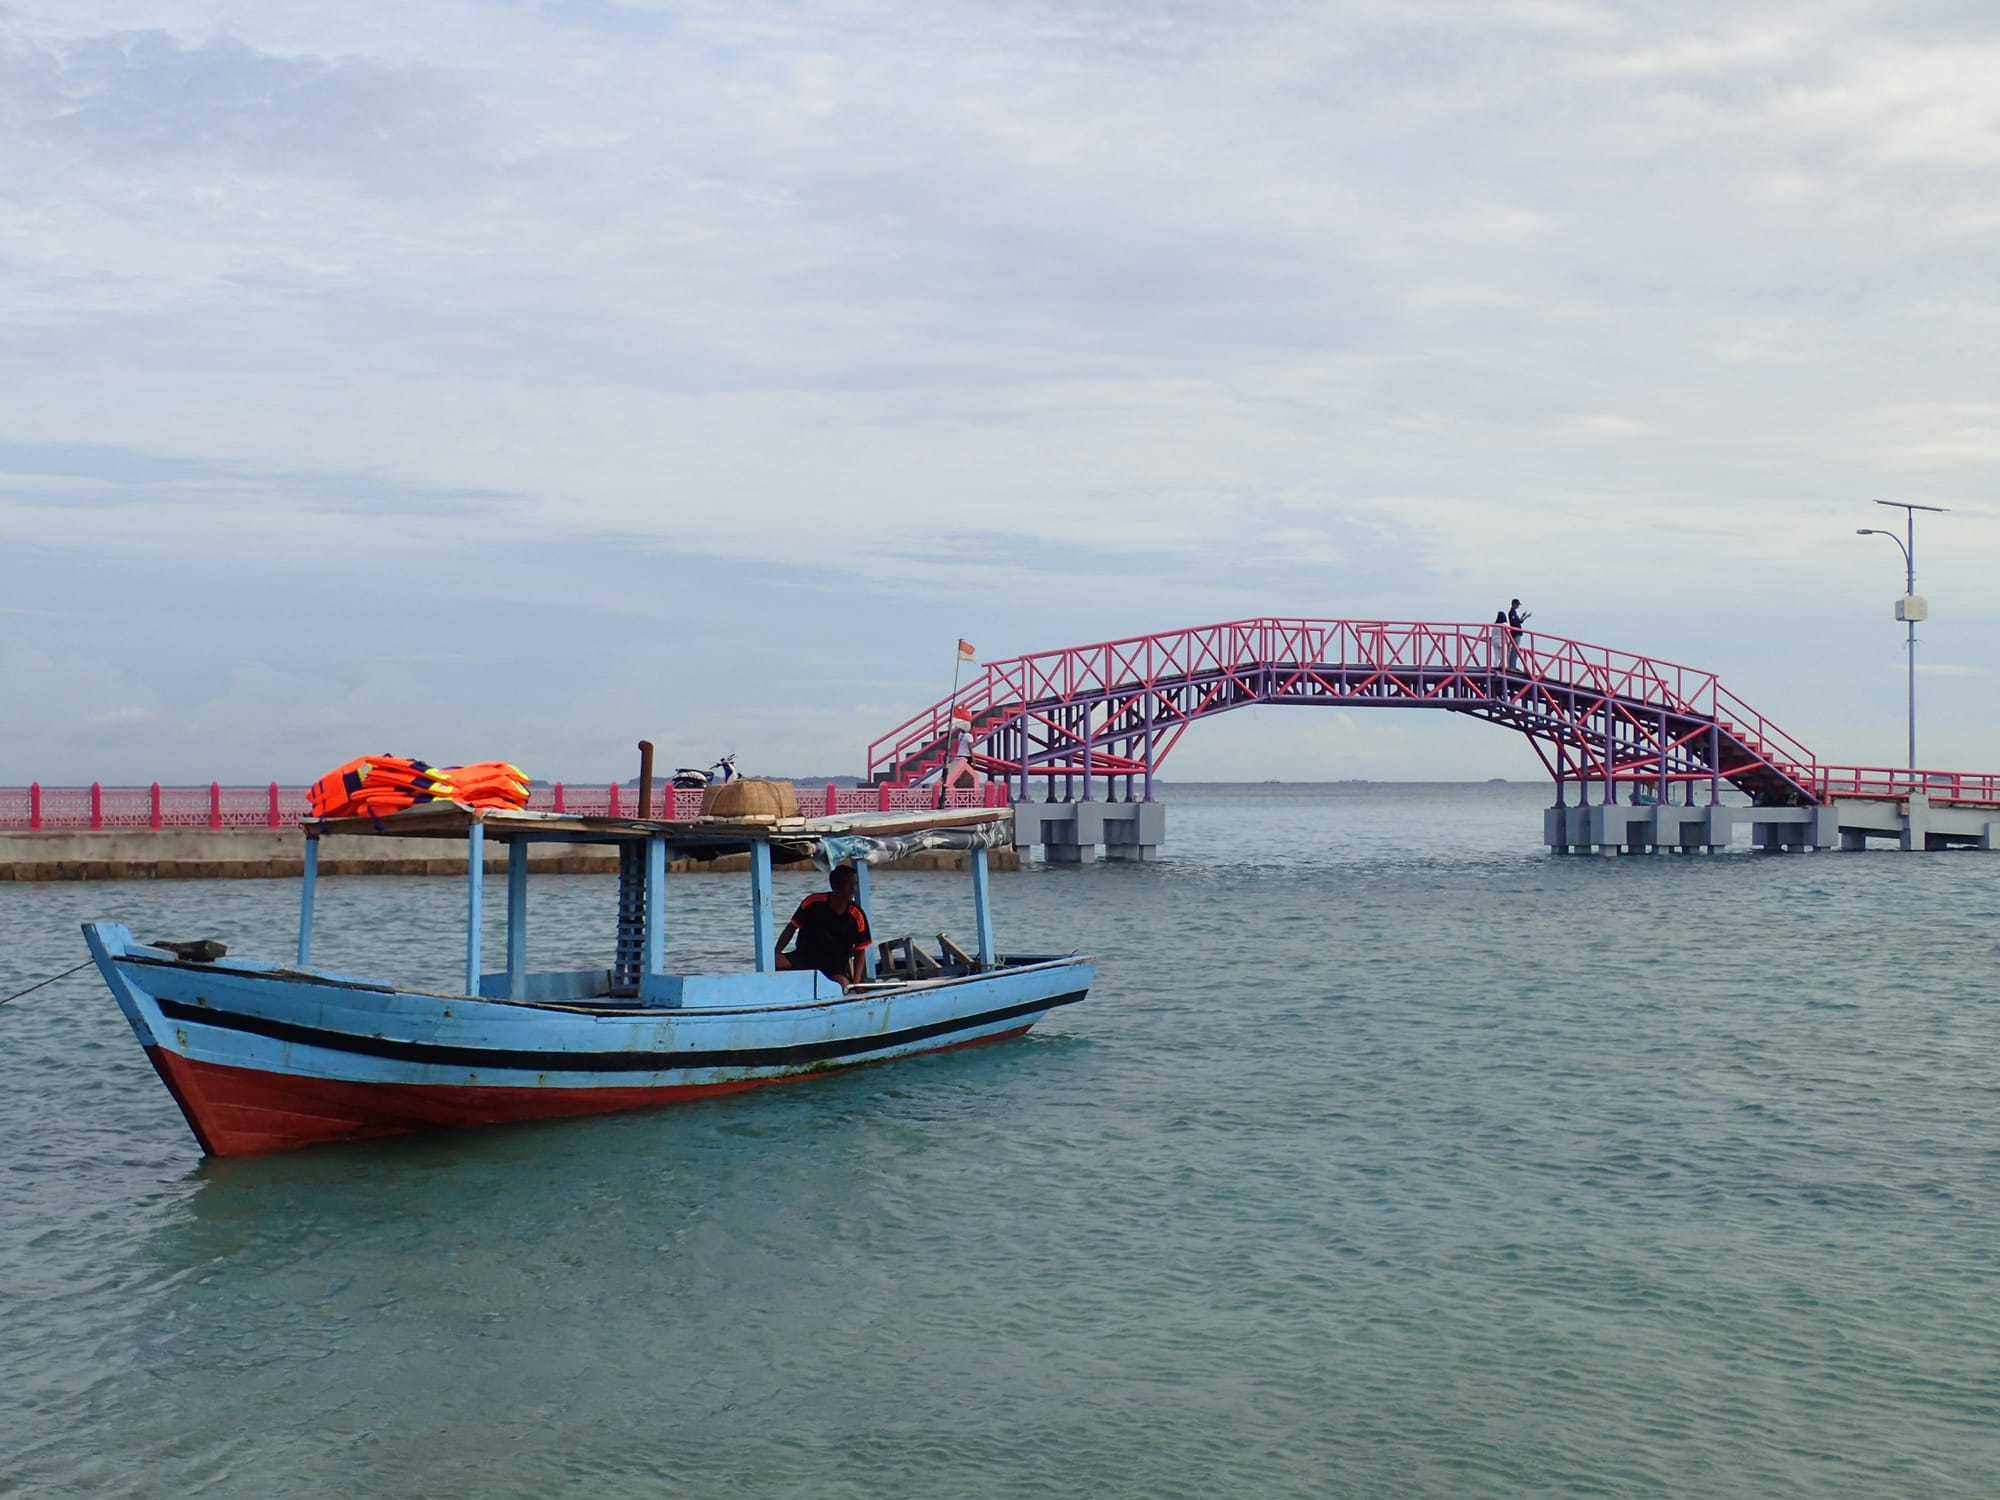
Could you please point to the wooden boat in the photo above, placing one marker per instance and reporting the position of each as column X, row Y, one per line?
column 270, row 1057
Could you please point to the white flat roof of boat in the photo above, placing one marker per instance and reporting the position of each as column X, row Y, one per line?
column 452, row 820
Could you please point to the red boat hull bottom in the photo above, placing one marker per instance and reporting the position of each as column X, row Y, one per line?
column 244, row 1112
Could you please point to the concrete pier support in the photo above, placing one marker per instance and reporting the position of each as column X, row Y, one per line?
column 1784, row 829
column 1070, row 832
column 1135, row 838
column 1622, row 829
column 1917, row 823
column 1669, row 828
column 1691, row 830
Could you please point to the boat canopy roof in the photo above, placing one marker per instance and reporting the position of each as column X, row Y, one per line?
column 799, row 837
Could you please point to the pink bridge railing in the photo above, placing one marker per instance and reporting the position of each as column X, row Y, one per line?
column 35, row 808
column 1971, row 788
column 1258, row 651
column 1595, row 716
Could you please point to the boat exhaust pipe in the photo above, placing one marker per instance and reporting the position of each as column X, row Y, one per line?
column 645, row 778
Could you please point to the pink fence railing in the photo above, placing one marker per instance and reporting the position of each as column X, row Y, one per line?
column 154, row 807
column 1978, row 788
column 36, row 807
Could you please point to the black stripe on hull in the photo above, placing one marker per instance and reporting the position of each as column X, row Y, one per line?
column 799, row 1054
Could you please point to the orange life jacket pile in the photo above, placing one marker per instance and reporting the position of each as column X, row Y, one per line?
column 377, row 785
column 487, row 783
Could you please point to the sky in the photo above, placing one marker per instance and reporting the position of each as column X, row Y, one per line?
column 512, row 380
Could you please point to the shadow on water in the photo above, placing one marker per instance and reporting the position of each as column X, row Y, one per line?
column 810, row 1125
column 401, row 1312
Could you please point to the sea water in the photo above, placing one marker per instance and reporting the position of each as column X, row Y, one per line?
column 1390, row 1156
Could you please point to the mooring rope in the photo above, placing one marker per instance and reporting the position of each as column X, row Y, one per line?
column 50, row 980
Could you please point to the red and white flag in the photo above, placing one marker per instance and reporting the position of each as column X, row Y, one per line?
column 965, row 651
column 960, row 716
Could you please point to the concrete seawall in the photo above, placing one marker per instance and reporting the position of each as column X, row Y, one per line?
column 255, row 853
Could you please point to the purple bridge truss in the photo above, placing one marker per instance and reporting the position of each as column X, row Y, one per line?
column 1601, row 720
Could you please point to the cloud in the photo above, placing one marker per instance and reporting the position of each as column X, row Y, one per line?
column 1952, row 669
column 1090, row 318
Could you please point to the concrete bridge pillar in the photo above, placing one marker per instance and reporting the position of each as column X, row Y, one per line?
column 1784, row 829
column 1069, row 832
column 1691, row 830
column 1917, row 822
column 1718, row 827
column 1622, row 829
column 1134, row 831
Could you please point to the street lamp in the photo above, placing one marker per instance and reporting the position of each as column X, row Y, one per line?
column 1909, row 609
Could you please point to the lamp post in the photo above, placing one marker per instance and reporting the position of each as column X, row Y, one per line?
column 1909, row 608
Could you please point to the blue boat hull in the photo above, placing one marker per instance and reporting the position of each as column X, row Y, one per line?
column 262, row 1058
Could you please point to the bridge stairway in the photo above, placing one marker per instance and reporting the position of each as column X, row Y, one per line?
column 932, row 756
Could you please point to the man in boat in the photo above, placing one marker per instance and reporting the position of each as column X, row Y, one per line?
column 832, row 931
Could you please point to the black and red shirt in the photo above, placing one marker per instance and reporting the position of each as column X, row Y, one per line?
column 828, row 939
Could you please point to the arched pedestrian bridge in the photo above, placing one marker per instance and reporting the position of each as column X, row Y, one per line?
column 1618, row 727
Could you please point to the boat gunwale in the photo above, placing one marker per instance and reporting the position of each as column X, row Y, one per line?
column 454, row 1056
column 868, row 990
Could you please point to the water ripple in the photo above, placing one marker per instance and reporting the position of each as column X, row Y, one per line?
column 1390, row 1158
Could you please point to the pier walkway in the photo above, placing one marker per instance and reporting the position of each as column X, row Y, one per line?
column 1647, row 746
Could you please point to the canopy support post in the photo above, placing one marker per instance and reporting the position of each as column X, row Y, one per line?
column 861, row 900
column 983, row 907
column 628, row 961
column 475, row 880
column 517, row 920
column 306, row 889
column 656, row 889
column 763, row 930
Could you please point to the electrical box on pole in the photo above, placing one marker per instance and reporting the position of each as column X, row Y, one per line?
column 1913, row 609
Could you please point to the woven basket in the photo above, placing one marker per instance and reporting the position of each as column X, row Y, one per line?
column 750, row 798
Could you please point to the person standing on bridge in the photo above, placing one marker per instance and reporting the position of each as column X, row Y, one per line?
column 1497, row 638
column 1516, row 618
